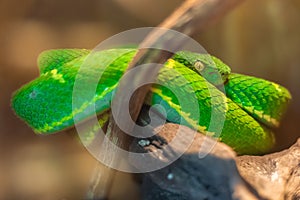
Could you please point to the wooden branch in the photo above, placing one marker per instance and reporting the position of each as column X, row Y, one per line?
column 213, row 177
column 192, row 16
column 220, row 175
column 195, row 15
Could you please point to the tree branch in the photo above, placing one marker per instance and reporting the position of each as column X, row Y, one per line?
column 191, row 17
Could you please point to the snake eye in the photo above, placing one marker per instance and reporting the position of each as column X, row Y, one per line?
column 199, row 66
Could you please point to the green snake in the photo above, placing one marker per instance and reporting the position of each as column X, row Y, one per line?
column 251, row 106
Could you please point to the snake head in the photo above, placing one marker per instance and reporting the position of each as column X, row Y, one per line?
column 210, row 67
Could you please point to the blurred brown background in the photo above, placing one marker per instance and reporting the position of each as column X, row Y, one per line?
column 260, row 38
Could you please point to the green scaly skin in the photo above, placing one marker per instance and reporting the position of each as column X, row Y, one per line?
column 251, row 108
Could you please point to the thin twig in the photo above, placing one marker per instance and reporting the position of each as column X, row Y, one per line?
column 191, row 17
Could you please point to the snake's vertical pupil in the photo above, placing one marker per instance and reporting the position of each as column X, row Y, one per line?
column 199, row 66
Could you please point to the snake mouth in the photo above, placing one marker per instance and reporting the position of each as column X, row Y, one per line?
column 216, row 78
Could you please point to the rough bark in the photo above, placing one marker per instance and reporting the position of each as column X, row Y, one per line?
column 274, row 176
column 220, row 174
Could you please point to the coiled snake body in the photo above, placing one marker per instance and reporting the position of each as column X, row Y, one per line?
column 250, row 106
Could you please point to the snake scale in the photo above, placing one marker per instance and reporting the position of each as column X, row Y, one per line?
column 250, row 107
